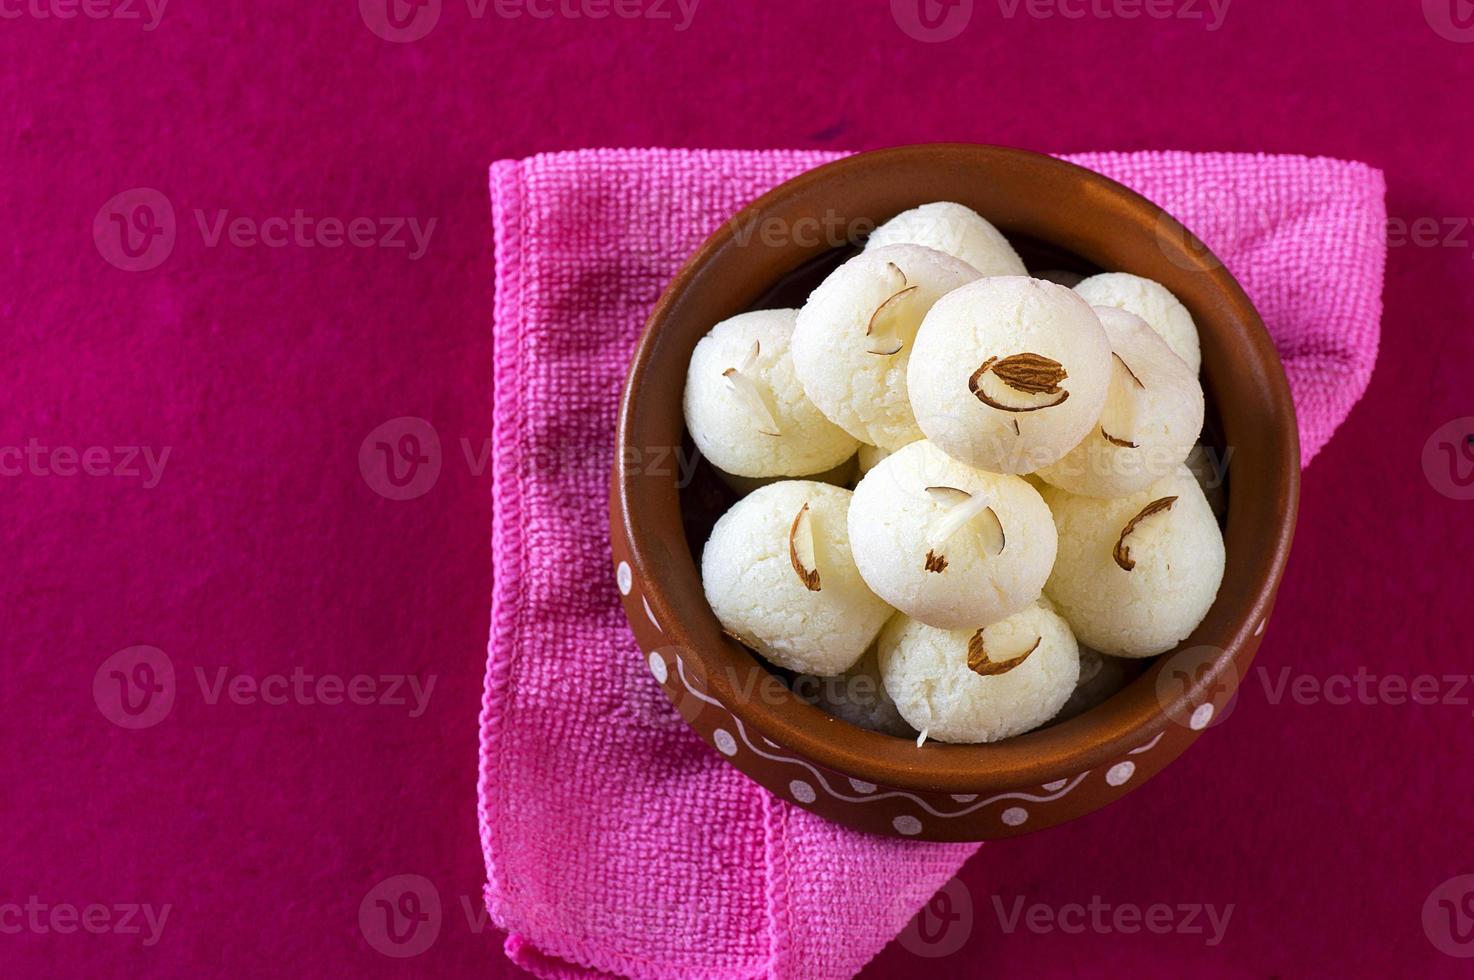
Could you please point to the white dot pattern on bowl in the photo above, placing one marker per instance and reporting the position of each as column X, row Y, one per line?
column 807, row 792
column 1201, row 716
column 624, row 577
column 1120, row 773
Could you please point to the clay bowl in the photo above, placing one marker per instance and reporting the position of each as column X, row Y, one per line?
column 1061, row 217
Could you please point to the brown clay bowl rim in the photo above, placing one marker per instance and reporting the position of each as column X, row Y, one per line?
column 1257, row 406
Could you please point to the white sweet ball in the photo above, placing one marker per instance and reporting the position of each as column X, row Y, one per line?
column 955, row 229
column 857, row 696
column 745, row 409
column 854, row 336
column 934, row 677
column 1151, row 420
column 1151, row 301
column 923, row 542
column 1175, row 556
column 1009, row 373
column 780, row 578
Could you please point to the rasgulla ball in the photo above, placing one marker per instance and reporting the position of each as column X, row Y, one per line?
column 955, row 229
column 745, row 409
column 980, row 685
column 857, row 696
column 778, row 574
column 1151, row 420
column 854, row 335
column 1009, row 373
column 1151, row 301
column 949, row 545
column 1135, row 575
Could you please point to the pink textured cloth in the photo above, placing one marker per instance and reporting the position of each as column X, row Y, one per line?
column 615, row 840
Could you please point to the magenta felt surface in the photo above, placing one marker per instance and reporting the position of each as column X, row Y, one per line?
column 261, row 548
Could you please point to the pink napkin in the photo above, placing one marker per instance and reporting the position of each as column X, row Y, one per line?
column 615, row 840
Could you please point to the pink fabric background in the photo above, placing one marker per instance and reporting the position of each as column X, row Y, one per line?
column 265, row 827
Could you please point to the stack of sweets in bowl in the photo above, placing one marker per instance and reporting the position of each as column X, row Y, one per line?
column 967, row 490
